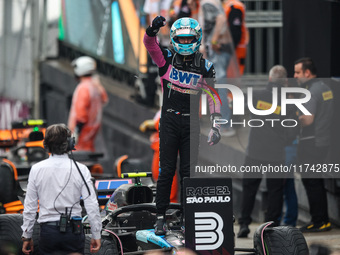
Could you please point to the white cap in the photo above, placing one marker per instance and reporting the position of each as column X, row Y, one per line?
column 84, row 66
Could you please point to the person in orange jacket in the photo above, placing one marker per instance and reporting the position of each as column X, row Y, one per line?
column 88, row 100
column 181, row 9
column 154, row 139
column 235, row 12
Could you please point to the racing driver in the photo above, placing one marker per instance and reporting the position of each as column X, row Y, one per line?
column 184, row 73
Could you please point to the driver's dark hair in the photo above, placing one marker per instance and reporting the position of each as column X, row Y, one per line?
column 307, row 63
column 56, row 139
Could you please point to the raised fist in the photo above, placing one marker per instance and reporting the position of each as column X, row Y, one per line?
column 158, row 22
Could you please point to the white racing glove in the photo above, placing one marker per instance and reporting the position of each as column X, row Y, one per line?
column 214, row 135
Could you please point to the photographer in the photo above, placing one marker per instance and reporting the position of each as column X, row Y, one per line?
column 58, row 183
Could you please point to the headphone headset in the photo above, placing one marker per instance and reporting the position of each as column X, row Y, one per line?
column 71, row 142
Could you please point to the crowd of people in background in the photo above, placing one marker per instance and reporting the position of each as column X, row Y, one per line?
column 308, row 143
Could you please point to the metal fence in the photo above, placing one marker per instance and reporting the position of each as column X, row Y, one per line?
column 264, row 21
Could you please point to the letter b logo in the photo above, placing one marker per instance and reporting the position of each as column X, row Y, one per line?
column 208, row 231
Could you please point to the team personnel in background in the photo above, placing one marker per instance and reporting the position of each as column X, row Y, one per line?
column 88, row 100
column 58, row 183
column 184, row 73
column 314, row 141
column 236, row 11
column 183, row 9
column 266, row 147
column 218, row 47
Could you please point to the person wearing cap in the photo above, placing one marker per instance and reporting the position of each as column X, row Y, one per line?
column 88, row 100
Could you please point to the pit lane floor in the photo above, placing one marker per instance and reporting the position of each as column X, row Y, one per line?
column 331, row 238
